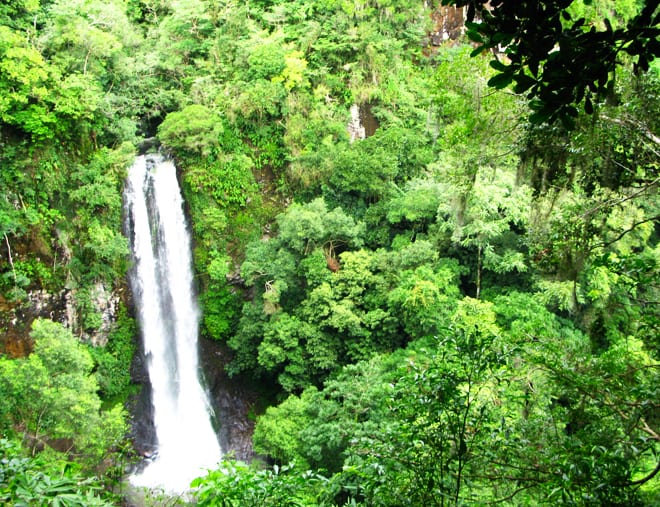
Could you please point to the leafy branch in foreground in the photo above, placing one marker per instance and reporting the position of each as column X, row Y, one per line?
column 556, row 60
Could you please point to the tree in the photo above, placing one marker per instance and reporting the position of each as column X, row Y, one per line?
column 193, row 130
column 556, row 60
column 424, row 296
column 321, row 428
column 51, row 397
column 489, row 212
column 25, row 86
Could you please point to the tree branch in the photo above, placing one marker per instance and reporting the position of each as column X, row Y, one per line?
column 643, row 480
column 614, row 202
column 649, row 430
column 632, row 228
column 629, row 122
column 509, row 497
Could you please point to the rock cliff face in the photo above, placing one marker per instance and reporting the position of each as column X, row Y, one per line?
column 16, row 318
column 449, row 24
column 231, row 400
column 105, row 304
column 142, row 430
column 363, row 123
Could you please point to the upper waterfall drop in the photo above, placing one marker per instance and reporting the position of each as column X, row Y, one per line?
column 162, row 285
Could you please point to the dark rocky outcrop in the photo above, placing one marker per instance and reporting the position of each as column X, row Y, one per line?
column 449, row 24
column 232, row 402
column 149, row 145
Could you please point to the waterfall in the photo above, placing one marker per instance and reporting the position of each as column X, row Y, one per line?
column 162, row 284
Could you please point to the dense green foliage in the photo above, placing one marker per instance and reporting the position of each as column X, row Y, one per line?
column 51, row 397
column 26, row 481
column 460, row 308
column 113, row 362
column 490, row 286
column 452, row 419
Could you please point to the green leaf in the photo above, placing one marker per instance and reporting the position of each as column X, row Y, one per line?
column 523, row 83
column 478, row 50
column 588, row 106
column 500, row 81
column 498, row 65
column 539, row 117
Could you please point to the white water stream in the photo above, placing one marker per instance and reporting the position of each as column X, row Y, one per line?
column 162, row 284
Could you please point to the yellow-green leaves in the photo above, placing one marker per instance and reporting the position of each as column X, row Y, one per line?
column 25, row 86
column 293, row 73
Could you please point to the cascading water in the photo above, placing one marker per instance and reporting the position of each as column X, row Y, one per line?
column 162, row 285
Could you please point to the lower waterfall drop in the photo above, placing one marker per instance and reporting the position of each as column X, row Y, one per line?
column 162, row 285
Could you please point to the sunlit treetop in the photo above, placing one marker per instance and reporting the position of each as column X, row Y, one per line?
column 560, row 60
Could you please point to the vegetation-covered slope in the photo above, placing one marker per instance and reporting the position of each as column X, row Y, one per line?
column 457, row 307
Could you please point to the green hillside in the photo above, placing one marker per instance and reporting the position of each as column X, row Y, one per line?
column 437, row 267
